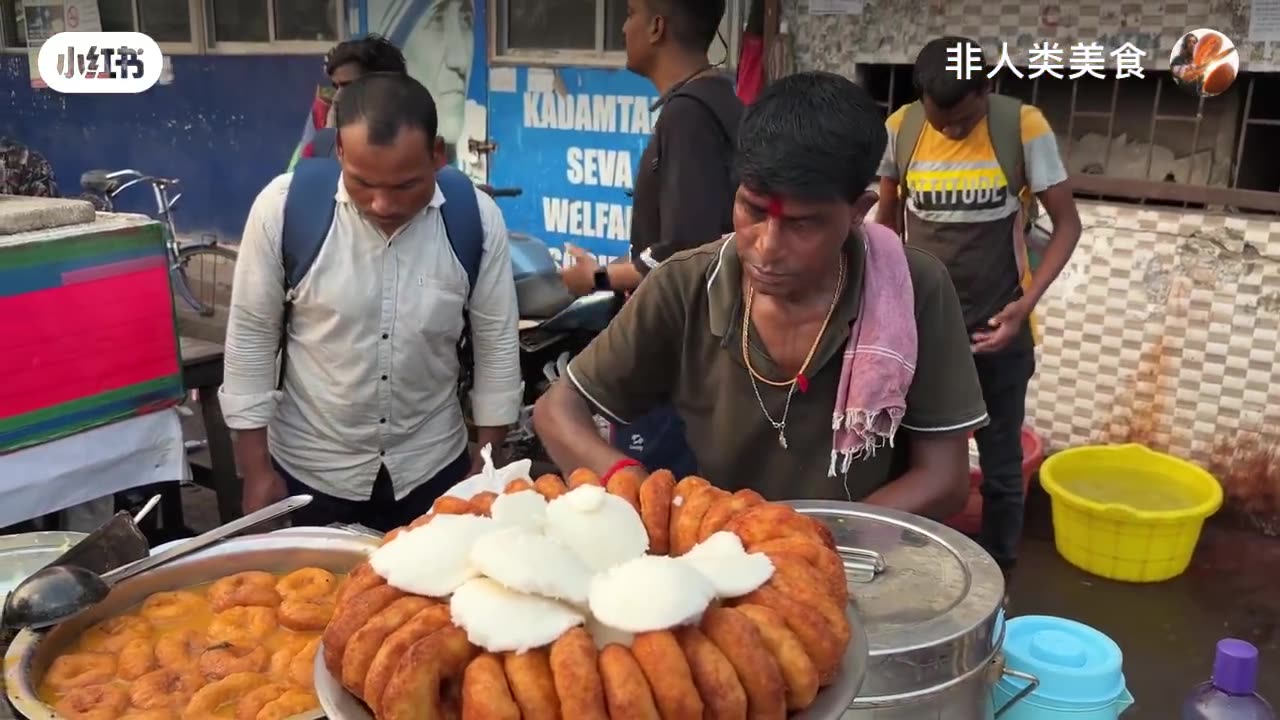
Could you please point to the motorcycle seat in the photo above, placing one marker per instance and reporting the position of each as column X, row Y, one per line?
column 97, row 181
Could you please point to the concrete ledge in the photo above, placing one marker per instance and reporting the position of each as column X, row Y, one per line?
column 26, row 214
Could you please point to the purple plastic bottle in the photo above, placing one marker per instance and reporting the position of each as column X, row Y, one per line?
column 1230, row 694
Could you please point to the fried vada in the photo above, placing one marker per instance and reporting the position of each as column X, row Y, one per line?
column 689, row 521
column 485, row 692
column 666, row 667
column 550, row 486
column 111, row 635
column 577, row 678
column 797, row 668
column 417, row 688
column 626, row 691
column 165, row 689
column 656, row 493
column 761, row 638
column 253, row 588
column 738, row 639
column 532, row 684
column 96, row 702
column 349, row 618
column 397, row 644
column 718, row 685
column 725, row 509
column 363, row 645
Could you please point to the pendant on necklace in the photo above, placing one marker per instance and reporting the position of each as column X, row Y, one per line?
column 782, row 438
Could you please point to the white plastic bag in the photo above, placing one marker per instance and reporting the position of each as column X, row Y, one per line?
column 491, row 479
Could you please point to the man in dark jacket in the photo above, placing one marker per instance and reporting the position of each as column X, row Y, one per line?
column 684, row 186
column 24, row 171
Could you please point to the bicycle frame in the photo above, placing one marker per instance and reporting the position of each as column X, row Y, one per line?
column 164, row 204
column 163, row 214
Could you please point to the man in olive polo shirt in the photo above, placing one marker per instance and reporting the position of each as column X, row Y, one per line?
column 807, row 150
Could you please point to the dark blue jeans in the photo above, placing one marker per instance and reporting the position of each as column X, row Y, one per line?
column 657, row 440
column 1004, row 377
column 381, row 511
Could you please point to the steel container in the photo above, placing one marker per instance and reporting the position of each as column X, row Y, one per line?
column 931, row 601
column 32, row 651
column 24, row 553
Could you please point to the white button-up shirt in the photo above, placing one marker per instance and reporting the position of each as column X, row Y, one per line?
column 372, row 367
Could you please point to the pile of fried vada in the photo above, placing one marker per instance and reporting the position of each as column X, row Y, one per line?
column 645, row 599
column 242, row 647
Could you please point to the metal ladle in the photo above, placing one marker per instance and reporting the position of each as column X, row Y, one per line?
column 60, row 592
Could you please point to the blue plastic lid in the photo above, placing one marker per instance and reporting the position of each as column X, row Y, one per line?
column 1078, row 666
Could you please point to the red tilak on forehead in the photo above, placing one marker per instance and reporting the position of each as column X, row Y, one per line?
column 775, row 207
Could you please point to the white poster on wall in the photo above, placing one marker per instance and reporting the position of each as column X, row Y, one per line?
column 81, row 16
column 1264, row 21
column 438, row 41
column 45, row 18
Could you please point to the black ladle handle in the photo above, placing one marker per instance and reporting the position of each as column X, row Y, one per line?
column 199, row 542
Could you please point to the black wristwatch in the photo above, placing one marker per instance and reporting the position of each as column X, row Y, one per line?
column 602, row 279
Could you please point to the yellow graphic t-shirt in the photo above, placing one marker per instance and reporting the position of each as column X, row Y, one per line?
column 960, row 208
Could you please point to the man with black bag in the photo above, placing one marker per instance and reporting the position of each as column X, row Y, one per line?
column 685, row 183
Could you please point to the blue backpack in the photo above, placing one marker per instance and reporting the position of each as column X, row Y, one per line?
column 309, row 207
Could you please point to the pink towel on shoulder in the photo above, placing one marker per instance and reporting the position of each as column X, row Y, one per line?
column 880, row 359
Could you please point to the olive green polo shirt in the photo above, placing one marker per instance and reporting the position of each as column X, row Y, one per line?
column 678, row 341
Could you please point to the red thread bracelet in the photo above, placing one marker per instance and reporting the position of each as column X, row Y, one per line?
column 619, row 466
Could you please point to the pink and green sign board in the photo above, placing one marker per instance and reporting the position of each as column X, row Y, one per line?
column 87, row 329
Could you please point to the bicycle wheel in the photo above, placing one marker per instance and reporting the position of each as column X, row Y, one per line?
column 202, row 277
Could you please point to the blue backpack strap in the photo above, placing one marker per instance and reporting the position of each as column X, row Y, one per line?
column 308, row 215
column 324, row 144
column 461, row 212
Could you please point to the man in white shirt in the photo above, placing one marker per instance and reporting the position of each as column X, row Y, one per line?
column 367, row 416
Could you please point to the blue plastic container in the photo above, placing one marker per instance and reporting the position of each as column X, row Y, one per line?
column 1079, row 671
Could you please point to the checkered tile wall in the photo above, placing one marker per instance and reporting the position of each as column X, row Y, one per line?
column 1163, row 329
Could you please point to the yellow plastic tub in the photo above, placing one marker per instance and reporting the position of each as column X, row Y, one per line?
column 1128, row 513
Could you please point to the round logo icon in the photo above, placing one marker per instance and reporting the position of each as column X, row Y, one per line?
column 100, row 62
column 1204, row 62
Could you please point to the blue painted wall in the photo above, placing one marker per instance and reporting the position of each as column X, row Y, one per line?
column 225, row 126
column 228, row 124
column 571, row 139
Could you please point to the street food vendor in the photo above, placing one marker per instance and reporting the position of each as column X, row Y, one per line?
column 749, row 336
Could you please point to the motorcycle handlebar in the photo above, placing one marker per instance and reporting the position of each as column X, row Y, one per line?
column 501, row 192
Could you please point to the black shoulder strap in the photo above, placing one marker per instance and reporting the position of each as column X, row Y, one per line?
column 724, row 131
column 906, row 140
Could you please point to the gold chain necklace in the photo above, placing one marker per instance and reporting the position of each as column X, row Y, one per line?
column 781, row 425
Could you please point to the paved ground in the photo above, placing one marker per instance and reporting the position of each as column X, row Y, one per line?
column 1166, row 630
column 210, row 278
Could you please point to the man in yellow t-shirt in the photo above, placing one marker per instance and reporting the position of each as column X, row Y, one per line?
column 960, row 188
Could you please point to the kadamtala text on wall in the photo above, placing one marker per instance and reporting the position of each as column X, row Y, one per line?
column 571, row 140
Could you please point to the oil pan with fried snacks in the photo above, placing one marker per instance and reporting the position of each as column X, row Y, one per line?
column 32, row 651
